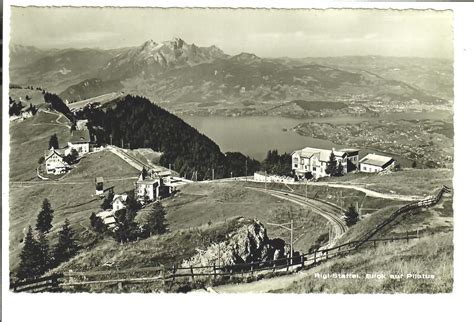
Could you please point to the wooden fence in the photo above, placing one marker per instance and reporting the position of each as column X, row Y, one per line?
column 213, row 273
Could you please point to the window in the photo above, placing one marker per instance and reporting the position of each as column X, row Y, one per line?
column 296, row 165
column 314, row 168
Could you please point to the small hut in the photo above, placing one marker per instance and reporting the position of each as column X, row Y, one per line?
column 99, row 185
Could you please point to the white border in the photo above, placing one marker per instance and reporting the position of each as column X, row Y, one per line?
column 138, row 307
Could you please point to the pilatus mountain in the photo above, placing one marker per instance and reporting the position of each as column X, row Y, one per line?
column 177, row 72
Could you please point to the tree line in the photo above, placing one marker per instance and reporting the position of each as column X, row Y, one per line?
column 136, row 122
column 36, row 257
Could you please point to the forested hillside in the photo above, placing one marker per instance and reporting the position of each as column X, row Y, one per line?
column 138, row 123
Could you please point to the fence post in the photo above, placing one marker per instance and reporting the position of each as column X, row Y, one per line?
column 375, row 244
column 174, row 272
column 287, row 264
column 215, row 272
column 302, row 261
column 120, row 286
column 315, row 256
column 274, row 267
column 231, row 277
column 192, row 272
column 407, row 238
column 327, row 255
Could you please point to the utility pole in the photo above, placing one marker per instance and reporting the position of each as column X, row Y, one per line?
column 284, row 226
column 231, row 174
column 306, row 186
column 245, row 169
column 110, row 139
column 122, row 142
column 265, row 179
column 169, row 166
column 212, row 174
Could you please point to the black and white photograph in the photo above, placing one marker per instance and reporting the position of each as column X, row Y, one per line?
column 178, row 156
column 311, row 152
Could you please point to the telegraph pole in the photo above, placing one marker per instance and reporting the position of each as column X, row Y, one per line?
column 265, row 179
column 245, row 169
column 306, row 186
column 212, row 174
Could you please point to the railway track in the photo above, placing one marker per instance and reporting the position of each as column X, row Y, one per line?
column 331, row 213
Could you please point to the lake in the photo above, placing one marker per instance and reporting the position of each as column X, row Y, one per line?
column 255, row 135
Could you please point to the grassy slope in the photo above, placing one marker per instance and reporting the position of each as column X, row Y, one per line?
column 198, row 204
column 73, row 197
column 167, row 249
column 408, row 181
column 429, row 255
column 29, row 139
column 35, row 95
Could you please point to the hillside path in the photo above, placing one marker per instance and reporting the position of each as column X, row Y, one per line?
column 368, row 192
column 264, row 285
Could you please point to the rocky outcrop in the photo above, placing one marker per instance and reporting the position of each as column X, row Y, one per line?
column 248, row 243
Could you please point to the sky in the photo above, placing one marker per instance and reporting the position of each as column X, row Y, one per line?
column 264, row 32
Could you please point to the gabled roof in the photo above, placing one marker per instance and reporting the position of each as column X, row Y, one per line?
column 321, row 154
column 123, row 198
column 376, row 160
column 80, row 136
column 49, row 153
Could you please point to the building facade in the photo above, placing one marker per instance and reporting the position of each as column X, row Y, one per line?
column 313, row 162
column 79, row 141
column 54, row 162
column 120, row 202
column 376, row 163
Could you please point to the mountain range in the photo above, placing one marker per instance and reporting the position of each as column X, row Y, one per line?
column 177, row 72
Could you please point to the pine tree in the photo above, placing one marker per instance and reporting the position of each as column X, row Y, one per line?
column 155, row 220
column 45, row 217
column 351, row 216
column 332, row 164
column 107, row 203
column 29, row 257
column 144, row 173
column 53, row 141
column 44, row 256
column 339, row 169
column 66, row 246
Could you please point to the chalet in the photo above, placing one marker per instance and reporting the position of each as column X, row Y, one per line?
column 314, row 162
column 120, row 202
column 376, row 163
column 80, row 141
column 108, row 218
column 28, row 112
column 152, row 185
column 147, row 187
column 54, row 162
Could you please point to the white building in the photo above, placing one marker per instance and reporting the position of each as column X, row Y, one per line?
column 262, row 177
column 376, row 163
column 80, row 141
column 54, row 162
column 120, row 202
column 314, row 162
